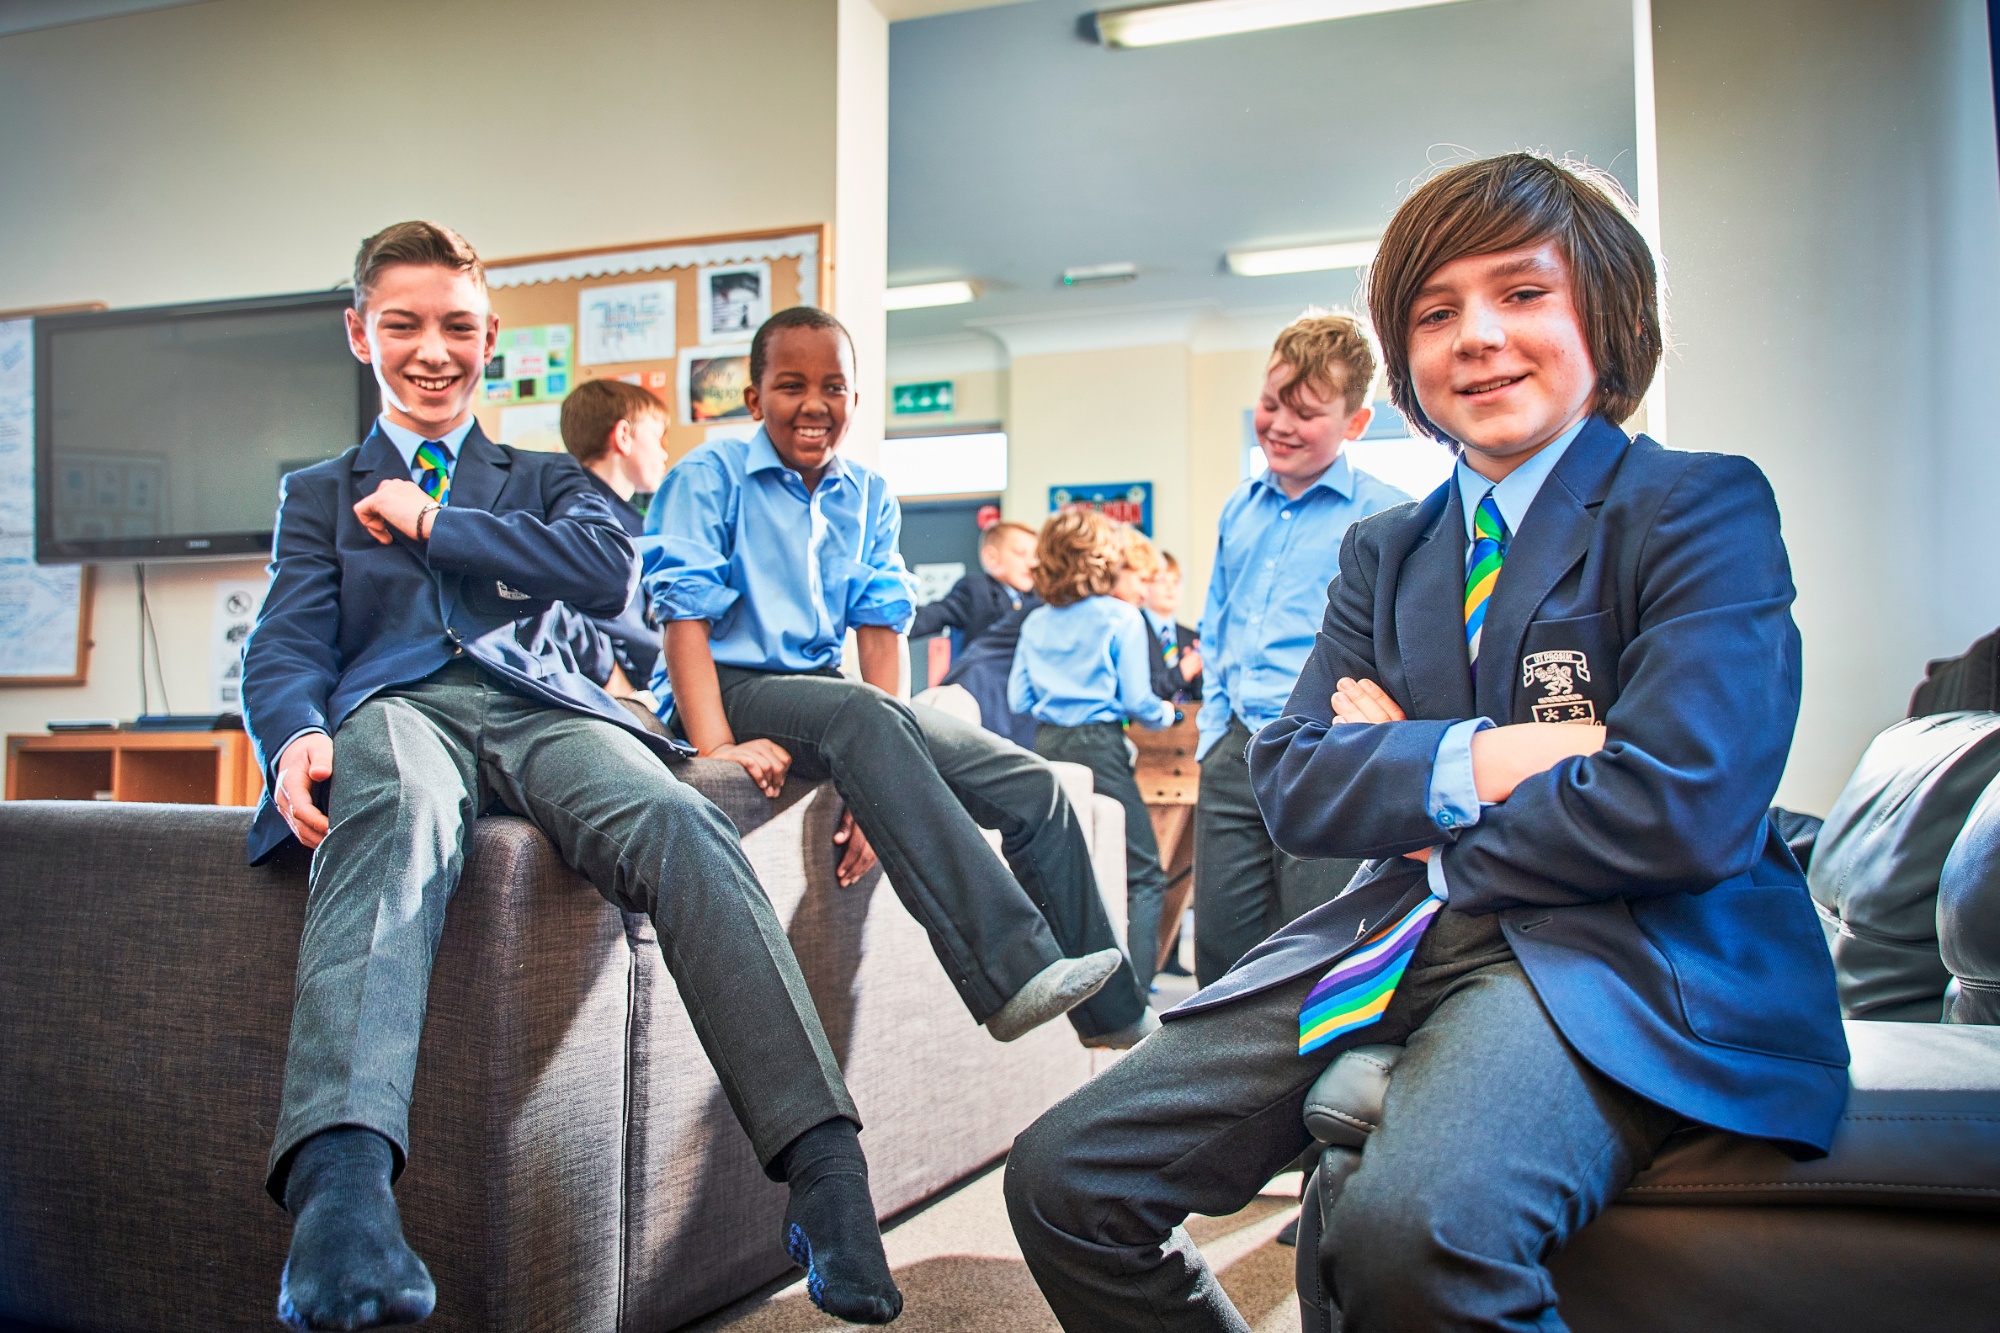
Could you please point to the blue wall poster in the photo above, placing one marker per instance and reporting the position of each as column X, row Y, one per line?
column 1123, row 501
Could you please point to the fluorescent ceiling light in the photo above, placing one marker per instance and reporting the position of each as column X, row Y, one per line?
column 919, row 295
column 1156, row 25
column 1091, row 275
column 1301, row 258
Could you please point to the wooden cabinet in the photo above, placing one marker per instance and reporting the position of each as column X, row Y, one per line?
column 193, row 767
column 1169, row 780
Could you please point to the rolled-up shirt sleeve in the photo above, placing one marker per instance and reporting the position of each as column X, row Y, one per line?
column 687, row 552
column 883, row 592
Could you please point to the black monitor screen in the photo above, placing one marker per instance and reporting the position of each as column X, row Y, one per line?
column 163, row 433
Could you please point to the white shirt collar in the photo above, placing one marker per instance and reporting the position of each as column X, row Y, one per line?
column 1516, row 492
column 406, row 441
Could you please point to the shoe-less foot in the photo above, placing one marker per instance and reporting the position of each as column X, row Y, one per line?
column 1053, row 992
column 1125, row 1038
column 830, row 1227
column 349, row 1267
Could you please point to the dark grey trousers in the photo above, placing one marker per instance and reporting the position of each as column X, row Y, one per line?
column 1497, row 1143
column 412, row 767
column 1101, row 748
column 1244, row 887
column 921, row 784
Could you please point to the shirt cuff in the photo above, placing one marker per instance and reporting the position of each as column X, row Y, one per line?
column 1434, row 875
column 1453, row 800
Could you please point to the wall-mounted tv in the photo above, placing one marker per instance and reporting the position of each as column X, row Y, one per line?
column 161, row 433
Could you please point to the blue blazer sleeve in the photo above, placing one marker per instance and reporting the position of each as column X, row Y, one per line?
column 1356, row 789
column 580, row 555
column 290, row 663
column 1697, row 738
column 951, row 611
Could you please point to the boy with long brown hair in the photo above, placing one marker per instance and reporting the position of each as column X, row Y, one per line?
column 1578, row 923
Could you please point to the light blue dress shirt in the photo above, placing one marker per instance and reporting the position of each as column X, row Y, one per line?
column 1454, row 798
column 778, row 571
column 1090, row 661
column 1274, row 557
column 407, row 441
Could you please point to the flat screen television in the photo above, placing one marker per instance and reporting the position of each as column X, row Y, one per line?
column 161, row 433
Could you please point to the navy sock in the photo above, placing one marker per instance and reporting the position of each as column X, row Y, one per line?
column 830, row 1228
column 349, row 1267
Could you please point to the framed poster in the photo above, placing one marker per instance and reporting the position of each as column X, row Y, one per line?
column 1120, row 501
column 712, row 383
column 733, row 301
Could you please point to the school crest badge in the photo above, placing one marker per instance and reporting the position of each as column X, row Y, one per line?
column 1557, row 673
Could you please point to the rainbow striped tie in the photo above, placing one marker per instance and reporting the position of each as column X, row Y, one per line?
column 433, row 462
column 1356, row 992
column 1482, row 569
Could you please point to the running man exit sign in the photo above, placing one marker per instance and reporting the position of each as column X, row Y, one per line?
column 919, row 399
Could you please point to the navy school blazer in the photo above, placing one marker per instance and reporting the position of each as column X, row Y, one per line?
column 347, row 616
column 1662, row 921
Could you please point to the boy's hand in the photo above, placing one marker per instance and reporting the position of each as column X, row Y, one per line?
column 860, row 858
column 307, row 760
column 1363, row 701
column 1191, row 662
column 766, row 762
column 393, row 507
column 1505, row 757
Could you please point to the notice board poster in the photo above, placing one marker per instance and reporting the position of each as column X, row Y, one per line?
column 1121, row 501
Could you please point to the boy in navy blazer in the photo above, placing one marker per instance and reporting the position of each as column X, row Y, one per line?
column 1552, row 702
column 410, row 668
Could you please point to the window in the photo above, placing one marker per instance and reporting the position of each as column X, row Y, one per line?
column 973, row 463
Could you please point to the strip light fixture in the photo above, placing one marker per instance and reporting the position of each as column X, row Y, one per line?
column 1191, row 20
column 1301, row 258
column 922, row 295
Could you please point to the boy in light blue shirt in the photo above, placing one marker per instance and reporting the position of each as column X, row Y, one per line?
column 762, row 554
column 1277, row 550
column 1083, row 667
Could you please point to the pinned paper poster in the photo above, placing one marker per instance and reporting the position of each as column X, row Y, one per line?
column 537, row 428
column 531, row 365
column 733, row 301
column 237, row 602
column 712, row 383
column 633, row 321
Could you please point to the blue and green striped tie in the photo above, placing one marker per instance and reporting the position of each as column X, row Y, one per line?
column 433, row 464
column 1482, row 569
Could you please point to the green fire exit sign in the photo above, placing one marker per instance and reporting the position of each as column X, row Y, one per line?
column 917, row 399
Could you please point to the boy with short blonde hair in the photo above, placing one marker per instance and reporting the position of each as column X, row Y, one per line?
column 1277, row 549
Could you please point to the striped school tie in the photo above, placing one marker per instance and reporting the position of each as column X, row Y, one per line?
column 1357, row 991
column 433, row 464
column 1482, row 569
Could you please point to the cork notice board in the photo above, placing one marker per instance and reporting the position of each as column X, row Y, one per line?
column 674, row 317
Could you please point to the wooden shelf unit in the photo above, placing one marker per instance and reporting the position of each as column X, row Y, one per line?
column 1170, row 780
column 192, row 767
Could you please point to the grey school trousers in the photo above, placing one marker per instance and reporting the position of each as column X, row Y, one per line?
column 1244, row 887
column 412, row 767
column 1497, row 1144
column 1101, row 748
column 922, row 784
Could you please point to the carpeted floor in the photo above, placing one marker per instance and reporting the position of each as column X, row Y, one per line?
column 961, row 1271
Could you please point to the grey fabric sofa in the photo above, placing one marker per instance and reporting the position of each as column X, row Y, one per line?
column 575, row 1166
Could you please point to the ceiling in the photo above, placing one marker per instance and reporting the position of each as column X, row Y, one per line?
column 1018, row 149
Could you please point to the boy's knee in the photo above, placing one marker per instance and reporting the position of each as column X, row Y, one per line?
column 1040, row 1182
column 872, row 717
column 1391, row 1256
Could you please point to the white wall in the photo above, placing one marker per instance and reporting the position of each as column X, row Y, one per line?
column 1831, row 222
column 245, row 146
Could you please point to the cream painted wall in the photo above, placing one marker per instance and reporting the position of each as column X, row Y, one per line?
column 1101, row 416
column 1831, row 224
column 1223, row 385
column 244, row 147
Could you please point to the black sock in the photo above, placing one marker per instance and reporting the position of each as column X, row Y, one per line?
column 349, row 1267
column 830, row 1228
